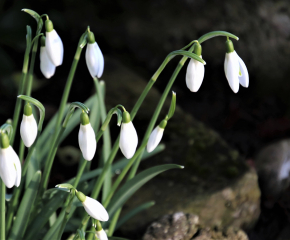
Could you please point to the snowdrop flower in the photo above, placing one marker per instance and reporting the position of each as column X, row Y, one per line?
column 195, row 71
column 87, row 138
column 28, row 127
column 10, row 167
column 94, row 57
column 93, row 207
column 101, row 235
column 156, row 136
column 46, row 66
column 53, row 44
column 235, row 69
column 128, row 137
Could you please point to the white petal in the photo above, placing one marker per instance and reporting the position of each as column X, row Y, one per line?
column 194, row 75
column 100, row 59
column 101, row 235
column 244, row 79
column 92, row 60
column 231, row 67
column 54, row 47
column 8, row 171
column 95, row 209
column 17, row 165
column 128, row 140
column 155, row 138
column 46, row 66
column 87, row 141
column 28, row 130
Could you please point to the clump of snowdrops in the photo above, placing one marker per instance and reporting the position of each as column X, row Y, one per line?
column 30, row 212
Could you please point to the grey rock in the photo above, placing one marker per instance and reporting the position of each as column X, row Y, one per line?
column 178, row 226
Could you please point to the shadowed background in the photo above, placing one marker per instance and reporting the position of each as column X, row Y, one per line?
column 137, row 35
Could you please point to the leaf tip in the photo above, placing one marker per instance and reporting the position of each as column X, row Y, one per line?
column 182, row 167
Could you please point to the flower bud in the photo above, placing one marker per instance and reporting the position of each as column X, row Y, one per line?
column 87, row 138
column 156, row 136
column 128, row 137
column 10, row 167
column 101, row 235
column 235, row 69
column 53, row 44
column 94, row 57
column 93, row 207
column 195, row 71
column 28, row 127
column 46, row 66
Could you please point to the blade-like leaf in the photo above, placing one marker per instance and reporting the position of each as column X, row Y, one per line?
column 33, row 167
column 24, row 209
column 172, row 105
column 130, row 187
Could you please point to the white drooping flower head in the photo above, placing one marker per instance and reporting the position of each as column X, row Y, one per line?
column 87, row 138
column 156, row 136
column 128, row 137
column 46, row 66
column 195, row 71
column 53, row 44
column 93, row 207
column 94, row 57
column 10, row 167
column 235, row 69
column 101, row 235
column 28, row 126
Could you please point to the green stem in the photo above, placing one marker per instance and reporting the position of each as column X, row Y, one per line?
column 114, row 222
column 55, row 138
column 65, row 217
column 117, row 214
column 2, row 210
column 49, row 162
column 135, row 109
column 148, row 131
column 106, row 137
column 20, row 91
column 135, row 166
column 31, row 68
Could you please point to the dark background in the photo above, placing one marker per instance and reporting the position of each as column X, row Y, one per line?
column 139, row 34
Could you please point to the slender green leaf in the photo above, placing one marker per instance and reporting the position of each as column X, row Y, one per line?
column 82, row 234
column 49, row 129
column 134, row 212
column 131, row 186
column 172, row 105
column 24, row 209
column 33, row 167
column 47, row 210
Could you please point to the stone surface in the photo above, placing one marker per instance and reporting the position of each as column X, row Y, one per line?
column 178, row 226
column 225, row 234
column 216, row 184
